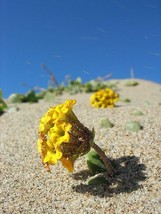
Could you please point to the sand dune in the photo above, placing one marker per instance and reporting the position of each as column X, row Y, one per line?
column 27, row 188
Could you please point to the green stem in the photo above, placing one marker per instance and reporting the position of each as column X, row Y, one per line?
column 104, row 158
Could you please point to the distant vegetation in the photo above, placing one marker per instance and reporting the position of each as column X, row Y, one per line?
column 73, row 87
column 68, row 86
column 3, row 105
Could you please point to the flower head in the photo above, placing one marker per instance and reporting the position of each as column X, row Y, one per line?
column 62, row 136
column 104, row 98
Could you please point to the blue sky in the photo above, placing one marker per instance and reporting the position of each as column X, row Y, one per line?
column 85, row 38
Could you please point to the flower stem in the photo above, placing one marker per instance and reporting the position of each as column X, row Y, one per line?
column 104, row 158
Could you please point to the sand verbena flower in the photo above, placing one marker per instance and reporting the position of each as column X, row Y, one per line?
column 62, row 137
column 104, row 98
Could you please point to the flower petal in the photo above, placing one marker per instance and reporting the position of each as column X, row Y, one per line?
column 68, row 164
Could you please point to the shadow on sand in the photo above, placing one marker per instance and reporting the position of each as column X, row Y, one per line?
column 128, row 173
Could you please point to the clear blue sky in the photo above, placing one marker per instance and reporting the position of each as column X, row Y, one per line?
column 86, row 38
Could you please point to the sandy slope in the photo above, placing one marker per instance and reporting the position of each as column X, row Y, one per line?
column 135, row 188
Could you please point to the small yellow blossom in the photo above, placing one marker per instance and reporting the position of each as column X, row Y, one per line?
column 104, row 98
column 62, row 137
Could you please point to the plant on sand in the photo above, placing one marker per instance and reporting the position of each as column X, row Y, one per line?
column 62, row 137
column 104, row 98
column 3, row 105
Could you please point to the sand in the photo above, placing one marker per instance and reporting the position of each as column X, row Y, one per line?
column 136, row 186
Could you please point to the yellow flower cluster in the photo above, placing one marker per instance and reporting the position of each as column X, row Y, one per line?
column 62, row 136
column 104, row 98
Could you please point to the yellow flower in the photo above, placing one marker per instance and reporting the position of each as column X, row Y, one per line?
column 62, row 136
column 104, row 98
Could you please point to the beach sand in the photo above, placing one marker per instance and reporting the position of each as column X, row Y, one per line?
column 136, row 186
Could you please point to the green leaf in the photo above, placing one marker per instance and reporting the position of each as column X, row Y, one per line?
column 96, row 180
column 12, row 109
column 3, row 105
column 125, row 100
column 1, row 97
column 31, row 97
column 49, row 97
column 131, row 83
column 41, row 94
column 88, row 87
column 16, row 98
column 79, row 80
column 137, row 113
column 133, row 126
column 94, row 163
column 93, row 132
column 106, row 123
